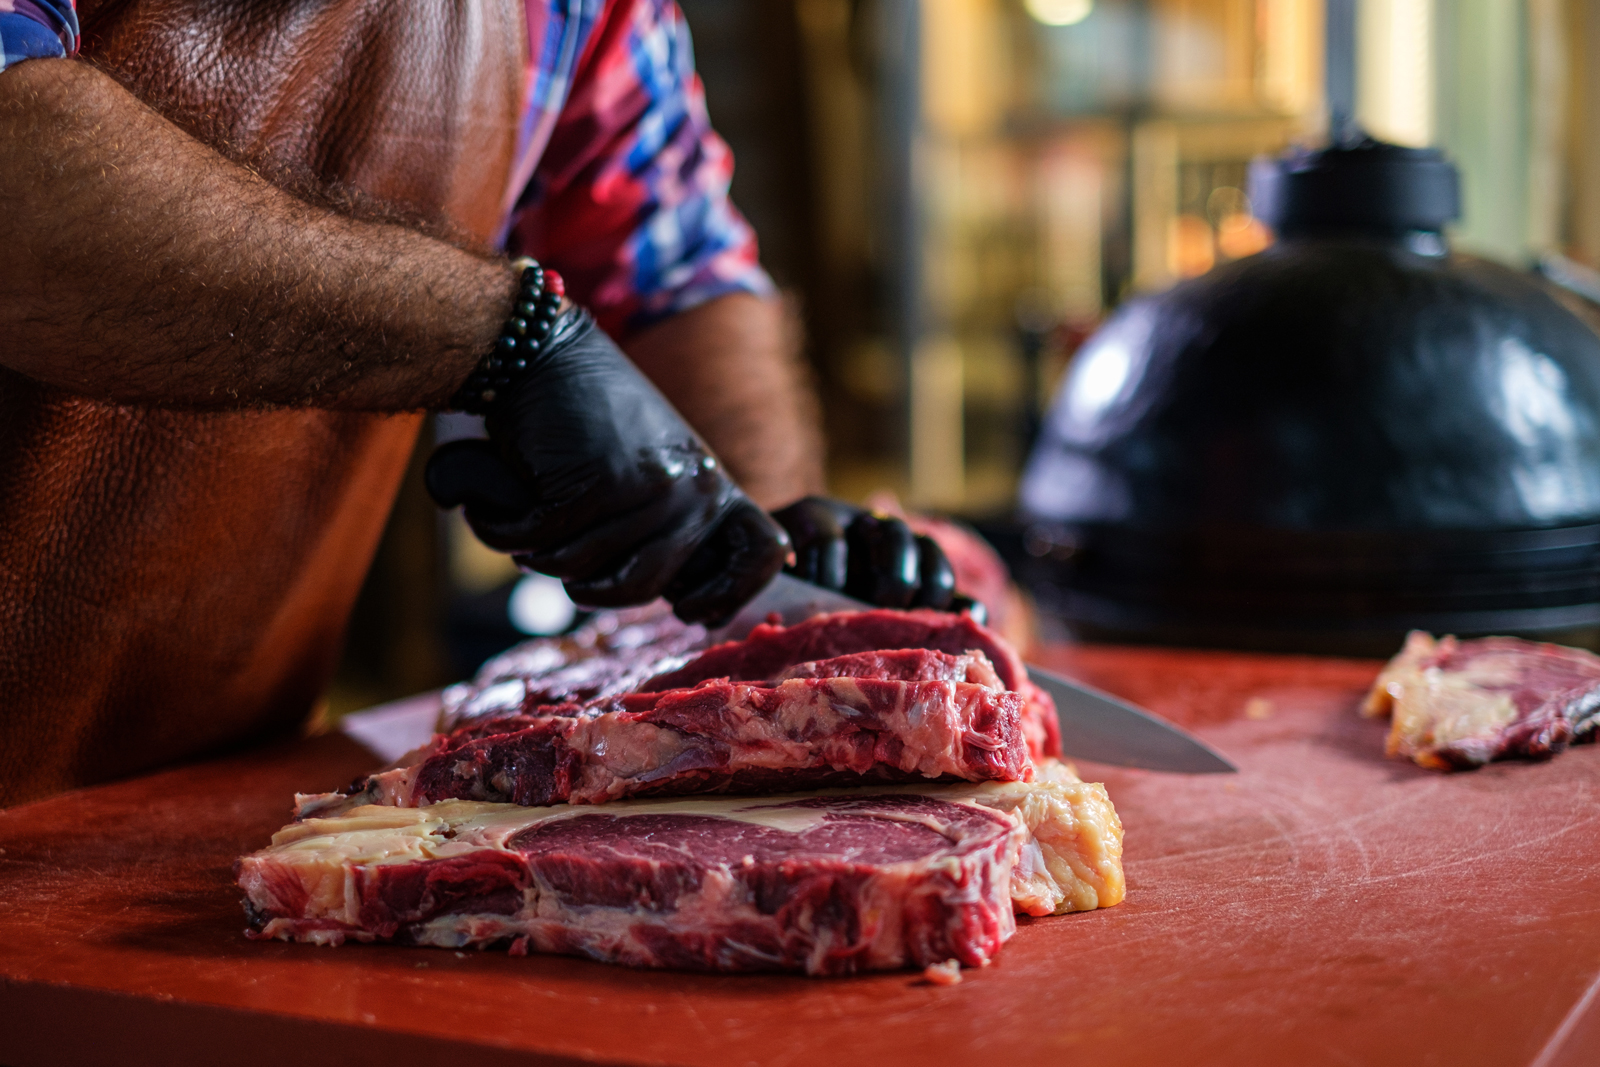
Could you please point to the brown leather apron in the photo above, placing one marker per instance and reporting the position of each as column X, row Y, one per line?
column 172, row 582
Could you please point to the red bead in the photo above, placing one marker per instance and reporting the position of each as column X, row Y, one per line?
column 554, row 283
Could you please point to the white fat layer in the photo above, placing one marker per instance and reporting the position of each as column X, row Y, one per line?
column 1448, row 707
column 1433, row 708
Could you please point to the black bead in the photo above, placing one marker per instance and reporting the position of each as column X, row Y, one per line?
column 502, row 380
column 519, row 364
column 518, row 326
column 532, row 346
column 551, row 301
column 541, row 328
column 492, row 363
column 506, row 345
column 527, row 309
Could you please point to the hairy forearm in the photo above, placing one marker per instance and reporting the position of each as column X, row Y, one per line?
column 731, row 367
column 141, row 266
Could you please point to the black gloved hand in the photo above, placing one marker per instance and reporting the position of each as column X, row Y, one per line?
column 590, row 475
column 870, row 557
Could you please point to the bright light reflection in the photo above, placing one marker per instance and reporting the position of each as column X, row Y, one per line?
column 1552, row 478
column 540, row 606
column 1534, row 394
column 1105, row 373
column 1059, row 12
column 1098, row 378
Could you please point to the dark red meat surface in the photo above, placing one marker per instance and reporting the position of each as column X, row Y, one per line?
column 856, row 883
column 770, row 649
column 798, row 733
column 615, row 652
column 847, row 698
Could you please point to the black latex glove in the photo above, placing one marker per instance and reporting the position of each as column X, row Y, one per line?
column 590, row 475
column 870, row 557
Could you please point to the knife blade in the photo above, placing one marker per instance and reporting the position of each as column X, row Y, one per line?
column 1097, row 726
column 1094, row 725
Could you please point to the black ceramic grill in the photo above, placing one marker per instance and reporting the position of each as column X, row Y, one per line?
column 1349, row 435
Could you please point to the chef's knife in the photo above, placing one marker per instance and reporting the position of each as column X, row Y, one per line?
column 1094, row 725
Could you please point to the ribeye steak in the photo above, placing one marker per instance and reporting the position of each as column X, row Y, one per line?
column 868, row 717
column 825, row 883
column 591, row 667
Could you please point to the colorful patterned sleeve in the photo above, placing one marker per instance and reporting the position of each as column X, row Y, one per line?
column 630, row 198
column 37, row 29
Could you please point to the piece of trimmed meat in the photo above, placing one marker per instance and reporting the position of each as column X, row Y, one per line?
column 1460, row 704
column 826, row 727
column 821, row 883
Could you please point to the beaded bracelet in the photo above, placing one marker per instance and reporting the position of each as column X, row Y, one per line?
column 539, row 293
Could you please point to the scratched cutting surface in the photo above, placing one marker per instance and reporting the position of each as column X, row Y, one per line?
column 1325, row 906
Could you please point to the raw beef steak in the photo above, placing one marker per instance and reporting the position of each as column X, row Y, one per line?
column 1460, row 704
column 614, row 652
column 873, row 717
column 649, row 649
column 828, row 883
column 769, row 650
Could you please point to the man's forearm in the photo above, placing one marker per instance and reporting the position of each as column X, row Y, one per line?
column 141, row 266
column 731, row 367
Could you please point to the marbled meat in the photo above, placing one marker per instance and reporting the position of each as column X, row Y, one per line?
column 1459, row 704
column 894, row 716
column 648, row 648
column 825, row 883
column 614, row 652
column 771, row 649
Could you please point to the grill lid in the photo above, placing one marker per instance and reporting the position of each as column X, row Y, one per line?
column 1351, row 430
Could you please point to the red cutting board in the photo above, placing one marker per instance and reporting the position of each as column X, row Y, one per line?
column 1325, row 906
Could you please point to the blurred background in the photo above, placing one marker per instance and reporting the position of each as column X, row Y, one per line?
column 953, row 194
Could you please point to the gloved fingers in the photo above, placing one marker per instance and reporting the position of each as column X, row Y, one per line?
column 583, row 495
column 885, row 561
column 471, row 472
column 965, row 605
column 936, row 579
column 732, row 565
column 644, row 571
column 824, row 563
column 816, row 527
column 816, row 517
column 684, row 513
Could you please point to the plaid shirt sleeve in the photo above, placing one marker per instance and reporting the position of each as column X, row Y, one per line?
column 37, row 29
column 629, row 200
